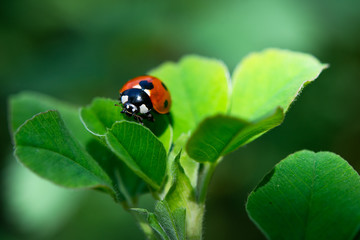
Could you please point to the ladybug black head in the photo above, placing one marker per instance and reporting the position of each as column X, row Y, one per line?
column 130, row 109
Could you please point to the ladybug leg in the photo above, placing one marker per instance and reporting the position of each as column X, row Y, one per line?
column 149, row 117
column 139, row 119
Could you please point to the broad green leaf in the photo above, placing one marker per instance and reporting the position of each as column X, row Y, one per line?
column 140, row 150
column 45, row 146
column 198, row 87
column 102, row 114
column 128, row 185
column 219, row 135
column 270, row 79
column 171, row 221
column 308, row 196
column 25, row 105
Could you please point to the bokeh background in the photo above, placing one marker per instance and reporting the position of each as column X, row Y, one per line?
column 76, row 50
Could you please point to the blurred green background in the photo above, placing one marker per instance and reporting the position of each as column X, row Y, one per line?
column 76, row 50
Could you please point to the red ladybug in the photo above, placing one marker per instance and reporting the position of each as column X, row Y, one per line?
column 141, row 95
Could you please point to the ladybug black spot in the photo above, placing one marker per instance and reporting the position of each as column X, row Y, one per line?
column 164, row 86
column 166, row 103
column 146, row 85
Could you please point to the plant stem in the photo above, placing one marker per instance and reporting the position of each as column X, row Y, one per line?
column 195, row 221
column 205, row 179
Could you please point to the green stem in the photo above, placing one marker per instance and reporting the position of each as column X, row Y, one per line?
column 194, row 220
column 205, row 179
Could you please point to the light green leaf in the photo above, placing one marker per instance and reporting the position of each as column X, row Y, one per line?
column 25, row 105
column 44, row 145
column 140, row 150
column 270, row 79
column 181, row 191
column 198, row 87
column 308, row 196
column 102, row 113
column 189, row 165
column 219, row 135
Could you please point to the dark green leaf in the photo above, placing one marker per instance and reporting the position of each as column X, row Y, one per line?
column 140, row 150
column 45, row 146
column 308, row 196
column 199, row 88
column 270, row 79
column 102, row 114
column 219, row 135
column 26, row 104
column 126, row 183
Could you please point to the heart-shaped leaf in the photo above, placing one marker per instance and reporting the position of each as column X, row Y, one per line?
column 270, row 79
column 308, row 196
column 199, row 88
column 102, row 114
column 262, row 83
column 45, row 146
column 140, row 150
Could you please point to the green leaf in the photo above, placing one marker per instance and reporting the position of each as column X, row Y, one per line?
column 45, row 146
column 308, row 196
column 128, row 185
column 25, row 105
column 198, row 87
column 171, row 221
column 219, row 135
column 149, row 224
column 140, row 150
column 270, row 79
column 181, row 191
column 189, row 165
column 264, row 86
column 102, row 113
column 182, row 196
column 165, row 223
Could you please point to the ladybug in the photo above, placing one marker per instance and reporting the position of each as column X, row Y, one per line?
column 141, row 95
